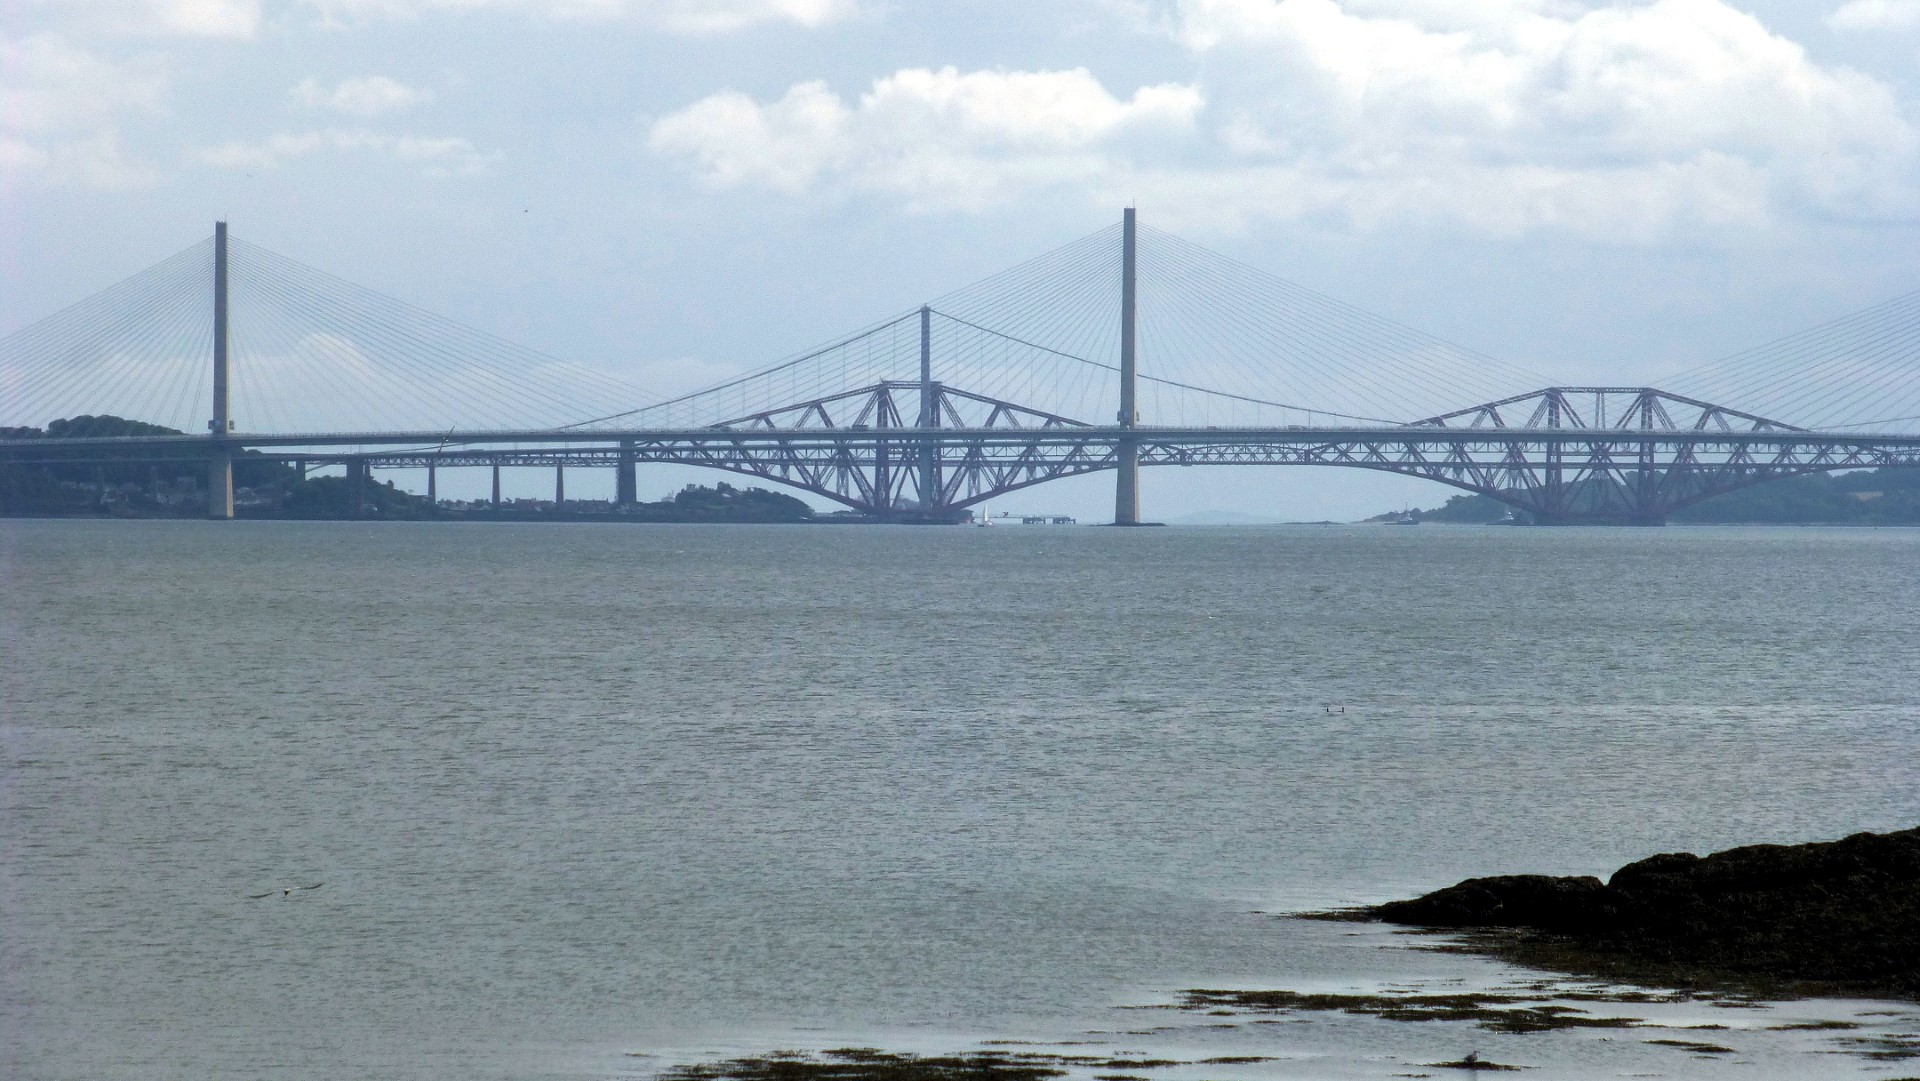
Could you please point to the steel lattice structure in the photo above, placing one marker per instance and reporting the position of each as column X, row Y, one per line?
column 1561, row 455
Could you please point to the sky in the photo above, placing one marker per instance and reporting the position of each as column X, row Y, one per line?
column 677, row 191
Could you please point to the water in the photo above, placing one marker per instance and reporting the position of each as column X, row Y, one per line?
column 580, row 793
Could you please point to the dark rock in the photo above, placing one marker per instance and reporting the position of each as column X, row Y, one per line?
column 1504, row 901
column 1844, row 912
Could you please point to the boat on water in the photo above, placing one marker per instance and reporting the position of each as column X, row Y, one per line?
column 1407, row 517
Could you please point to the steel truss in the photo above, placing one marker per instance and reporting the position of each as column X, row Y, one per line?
column 1561, row 455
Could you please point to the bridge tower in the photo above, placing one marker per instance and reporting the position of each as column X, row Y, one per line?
column 1126, row 491
column 220, row 465
column 931, row 505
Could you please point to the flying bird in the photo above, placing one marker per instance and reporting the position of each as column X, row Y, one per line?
column 284, row 891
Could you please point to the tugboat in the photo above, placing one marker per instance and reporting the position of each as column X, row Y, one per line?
column 1407, row 517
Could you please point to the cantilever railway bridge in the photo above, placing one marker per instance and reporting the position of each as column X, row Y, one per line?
column 1044, row 372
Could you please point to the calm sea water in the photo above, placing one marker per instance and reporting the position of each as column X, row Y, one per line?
column 580, row 794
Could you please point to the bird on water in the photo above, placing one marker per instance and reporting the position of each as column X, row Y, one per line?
column 284, row 891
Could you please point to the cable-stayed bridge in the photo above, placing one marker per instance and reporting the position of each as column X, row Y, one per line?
column 1126, row 348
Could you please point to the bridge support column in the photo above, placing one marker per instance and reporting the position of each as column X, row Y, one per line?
column 1646, row 482
column 496, row 486
column 1556, row 491
column 931, row 504
column 1126, row 489
column 433, row 490
column 883, row 507
column 560, row 486
column 220, row 487
column 626, row 480
column 358, row 474
column 220, row 468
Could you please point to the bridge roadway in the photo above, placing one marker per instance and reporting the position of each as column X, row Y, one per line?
column 1635, row 475
column 1210, row 445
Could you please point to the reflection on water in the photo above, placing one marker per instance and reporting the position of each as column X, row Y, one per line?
column 582, row 791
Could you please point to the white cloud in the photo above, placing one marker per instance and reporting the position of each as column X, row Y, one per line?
column 48, row 85
column 60, row 110
column 680, row 16
column 1876, row 15
column 1621, row 122
column 1534, row 114
column 368, row 96
column 437, row 155
column 188, row 18
column 937, row 138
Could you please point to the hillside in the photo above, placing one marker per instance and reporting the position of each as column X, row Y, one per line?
column 1861, row 497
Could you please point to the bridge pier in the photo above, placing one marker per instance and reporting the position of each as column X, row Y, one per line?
column 932, row 505
column 560, row 487
column 884, row 507
column 433, row 490
column 496, row 486
column 358, row 473
column 220, row 487
column 626, row 479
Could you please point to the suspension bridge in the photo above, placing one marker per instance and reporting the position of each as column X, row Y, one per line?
column 1127, row 348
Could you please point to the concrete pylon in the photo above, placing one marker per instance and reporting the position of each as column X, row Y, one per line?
column 220, row 464
column 626, row 479
column 1126, row 489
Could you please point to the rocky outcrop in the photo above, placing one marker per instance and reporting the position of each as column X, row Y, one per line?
column 1843, row 913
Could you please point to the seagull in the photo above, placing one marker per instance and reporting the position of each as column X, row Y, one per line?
column 1472, row 1060
column 284, row 891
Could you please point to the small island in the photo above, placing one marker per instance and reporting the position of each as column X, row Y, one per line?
column 1833, row 917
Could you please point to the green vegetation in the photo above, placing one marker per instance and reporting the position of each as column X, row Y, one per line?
column 694, row 503
column 108, row 483
column 1862, row 497
column 1865, row 497
column 725, row 503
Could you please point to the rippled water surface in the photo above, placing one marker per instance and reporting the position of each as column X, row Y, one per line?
column 581, row 793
